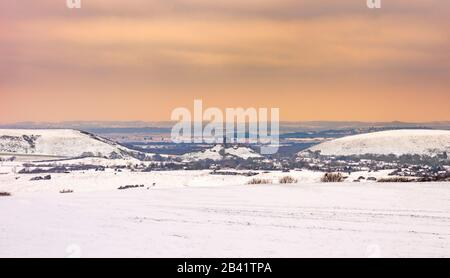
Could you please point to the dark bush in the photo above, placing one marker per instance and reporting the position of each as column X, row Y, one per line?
column 332, row 177
column 397, row 179
column 259, row 181
column 288, row 179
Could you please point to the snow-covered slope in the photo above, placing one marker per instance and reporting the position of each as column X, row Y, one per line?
column 213, row 154
column 397, row 142
column 242, row 152
column 219, row 152
column 65, row 143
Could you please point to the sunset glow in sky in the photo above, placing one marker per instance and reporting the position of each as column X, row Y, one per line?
column 139, row 59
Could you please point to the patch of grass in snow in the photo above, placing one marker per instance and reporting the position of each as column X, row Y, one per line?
column 288, row 179
column 259, row 181
column 332, row 177
column 397, row 179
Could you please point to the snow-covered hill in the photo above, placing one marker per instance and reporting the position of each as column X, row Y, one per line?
column 63, row 143
column 397, row 142
column 219, row 152
column 242, row 152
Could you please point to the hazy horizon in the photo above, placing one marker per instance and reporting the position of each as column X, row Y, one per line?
column 284, row 125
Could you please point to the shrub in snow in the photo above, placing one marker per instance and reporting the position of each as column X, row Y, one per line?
column 288, row 179
column 130, row 186
column 397, row 179
column 259, row 181
column 332, row 177
column 5, row 194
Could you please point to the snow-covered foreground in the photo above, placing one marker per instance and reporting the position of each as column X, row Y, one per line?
column 302, row 220
column 110, row 180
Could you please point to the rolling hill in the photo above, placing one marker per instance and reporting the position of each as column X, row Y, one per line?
column 397, row 142
column 218, row 152
column 61, row 143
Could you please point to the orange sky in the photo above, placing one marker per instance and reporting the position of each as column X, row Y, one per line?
column 139, row 59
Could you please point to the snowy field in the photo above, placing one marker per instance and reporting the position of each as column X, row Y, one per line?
column 194, row 214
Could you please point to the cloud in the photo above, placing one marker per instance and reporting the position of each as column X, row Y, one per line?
column 185, row 48
column 268, row 9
